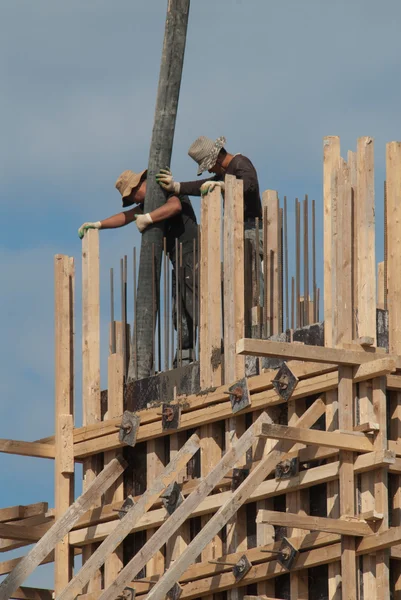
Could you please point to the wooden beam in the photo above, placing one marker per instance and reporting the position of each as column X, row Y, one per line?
column 331, row 155
column 333, row 439
column 91, row 358
column 375, row 368
column 15, row 532
column 27, row 448
column 215, row 413
column 134, row 514
column 60, row 528
column 30, row 593
column 298, row 521
column 380, row 285
column 64, row 277
column 155, row 463
column 183, row 512
column 8, row 565
column 287, row 350
column 15, row 513
column 272, row 285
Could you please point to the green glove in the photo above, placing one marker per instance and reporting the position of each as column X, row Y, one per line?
column 209, row 186
column 86, row 226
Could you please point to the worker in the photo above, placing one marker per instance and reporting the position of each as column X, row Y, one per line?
column 180, row 224
column 211, row 156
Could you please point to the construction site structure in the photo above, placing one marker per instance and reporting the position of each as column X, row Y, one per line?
column 268, row 468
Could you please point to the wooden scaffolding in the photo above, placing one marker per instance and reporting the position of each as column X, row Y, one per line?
column 281, row 484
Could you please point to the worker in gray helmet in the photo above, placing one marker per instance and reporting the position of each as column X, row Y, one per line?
column 211, row 156
column 179, row 224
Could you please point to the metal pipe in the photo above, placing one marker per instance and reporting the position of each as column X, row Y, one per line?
column 153, row 310
column 181, row 296
column 280, row 271
column 298, row 263
column 134, row 337
column 126, row 346
column 177, row 299
column 198, row 296
column 306, row 262
column 292, row 303
column 112, row 320
column 266, row 323
column 257, row 271
column 315, row 319
column 123, row 330
column 165, row 303
column 287, row 316
column 167, row 332
column 194, row 300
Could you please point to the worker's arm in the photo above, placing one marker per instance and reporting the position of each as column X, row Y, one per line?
column 121, row 219
column 170, row 209
column 118, row 220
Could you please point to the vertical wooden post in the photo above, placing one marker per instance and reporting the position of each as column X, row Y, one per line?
column 210, row 341
column 331, row 155
column 365, row 196
column 380, row 285
column 272, row 285
column 393, row 178
column 90, row 359
column 352, row 164
column 181, row 538
column 64, row 409
column 155, row 461
column 234, row 366
column 115, row 408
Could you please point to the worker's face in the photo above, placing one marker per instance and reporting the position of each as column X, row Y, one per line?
column 217, row 167
column 137, row 196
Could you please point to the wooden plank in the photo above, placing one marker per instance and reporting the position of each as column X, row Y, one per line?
column 393, row 284
column 15, row 513
column 60, row 528
column 30, row 593
column 365, row 199
column 301, row 352
column 91, row 358
column 27, row 448
column 334, row 439
column 375, row 368
column 125, row 525
column 212, row 414
column 183, row 512
column 115, row 407
column 8, row 565
column 299, row 521
column 353, row 173
column 12, row 531
column 331, row 155
column 155, row 462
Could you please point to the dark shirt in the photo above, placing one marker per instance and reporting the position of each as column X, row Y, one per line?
column 242, row 168
column 182, row 227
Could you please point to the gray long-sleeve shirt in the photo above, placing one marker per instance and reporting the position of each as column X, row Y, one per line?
column 242, row 168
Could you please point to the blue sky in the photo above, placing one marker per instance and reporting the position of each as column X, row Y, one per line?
column 79, row 82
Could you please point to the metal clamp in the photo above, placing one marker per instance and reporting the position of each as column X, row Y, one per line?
column 128, row 428
column 239, row 569
column 175, row 592
column 238, row 476
column 287, row 468
column 171, row 415
column 287, row 554
column 285, row 382
column 127, row 594
column 124, row 508
column 239, row 395
column 172, row 497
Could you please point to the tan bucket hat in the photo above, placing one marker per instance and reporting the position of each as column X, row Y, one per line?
column 127, row 181
column 205, row 151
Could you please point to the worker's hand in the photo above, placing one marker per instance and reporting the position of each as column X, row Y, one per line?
column 166, row 180
column 143, row 221
column 209, row 186
column 84, row 228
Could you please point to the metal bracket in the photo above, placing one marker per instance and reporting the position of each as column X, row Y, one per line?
column 239, row 395
column 128, row 428
column 285, row 382
column 242, row 567
column 172, row 497
column 175, row 592
column 239, row 475
column 287, row 468
column 126, row 505
column 287, row 554
column 171, row 415
column 127, row 594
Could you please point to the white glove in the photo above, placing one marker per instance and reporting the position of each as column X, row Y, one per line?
column 166, row 180
column 209, row 186
column 143, row 221
column 84, row 228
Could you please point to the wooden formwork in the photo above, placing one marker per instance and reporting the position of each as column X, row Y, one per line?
column 336, row 514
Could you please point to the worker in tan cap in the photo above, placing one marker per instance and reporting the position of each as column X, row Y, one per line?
column 211, row 156
column 180, row 224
